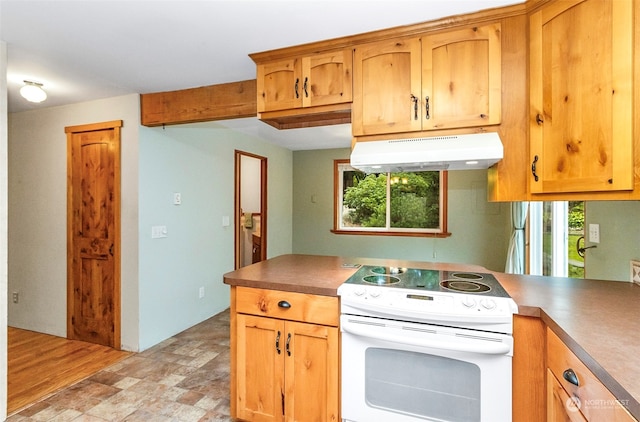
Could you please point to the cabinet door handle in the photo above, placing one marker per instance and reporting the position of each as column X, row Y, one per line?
column 539, row 119
column 571, row 377
column 426, row 100
column 414, row 99
column 287, row 345
column 533, row 168
column 296, row 87
column 304, row 86
column 284, row 304
column 278, row 342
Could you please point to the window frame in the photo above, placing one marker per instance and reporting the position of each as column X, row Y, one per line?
column 441, row 231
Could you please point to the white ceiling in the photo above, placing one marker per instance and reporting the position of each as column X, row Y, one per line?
column 92, row 49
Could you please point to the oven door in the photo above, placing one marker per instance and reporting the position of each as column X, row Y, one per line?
column 406, row 372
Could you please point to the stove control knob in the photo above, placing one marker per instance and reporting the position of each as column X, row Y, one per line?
column 359, row 291
column 468, row 302
column 374, row 293
column 488, row 304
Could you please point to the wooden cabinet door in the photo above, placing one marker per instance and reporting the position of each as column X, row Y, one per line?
column 560, row 407
column 279, row 85
column 386, row 87
column 311, row 373
column 461, row 78
column 581, row 96
column 327, row 78
column 260, row 368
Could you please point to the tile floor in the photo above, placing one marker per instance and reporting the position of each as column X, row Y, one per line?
column 184, row 378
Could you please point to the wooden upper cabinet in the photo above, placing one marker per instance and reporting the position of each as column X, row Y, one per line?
column 305, row 81
column 581, row 99
column 386, row 87
column 327, row 78
column 445, row 80
column 278, row 85
column 461, row 78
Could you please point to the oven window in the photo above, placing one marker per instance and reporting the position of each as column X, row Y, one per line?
column 422, row 385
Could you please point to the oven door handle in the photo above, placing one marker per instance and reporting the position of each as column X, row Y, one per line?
column 470, row 346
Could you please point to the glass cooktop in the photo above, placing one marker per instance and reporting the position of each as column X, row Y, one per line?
column 428, row 280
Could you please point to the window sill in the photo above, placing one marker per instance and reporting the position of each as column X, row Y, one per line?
column 389, row 233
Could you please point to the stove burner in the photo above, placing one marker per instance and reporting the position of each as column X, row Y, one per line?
column 381, row 280
column 467, row 276
column 465, row 286
column 388, row 270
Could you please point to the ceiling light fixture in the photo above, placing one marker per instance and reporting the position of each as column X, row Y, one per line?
column 32, row 91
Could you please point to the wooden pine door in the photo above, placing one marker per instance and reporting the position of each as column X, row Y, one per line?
column 386, row 87
column 311, row 371
column 260, row 371
column 461, row 78
column 327, row 78
column 279, row 85
column 93, row 239
column 581, row 96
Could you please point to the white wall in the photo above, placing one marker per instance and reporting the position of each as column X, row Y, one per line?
column 197, row 161
column 37, row 212
column 479, row 230
column 3, row 229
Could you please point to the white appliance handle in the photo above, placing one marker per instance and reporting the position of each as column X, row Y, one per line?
column 470, row 346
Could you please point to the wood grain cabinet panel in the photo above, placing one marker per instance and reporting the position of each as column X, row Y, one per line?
column 304, row 91
column 461, row 76
column 286, row 364
column 445, row 80
column 573, row 391
column 581, row 99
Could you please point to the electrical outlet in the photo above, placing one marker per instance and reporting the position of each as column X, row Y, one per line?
column 201, row 292
column 16, row 297
column 634, row 274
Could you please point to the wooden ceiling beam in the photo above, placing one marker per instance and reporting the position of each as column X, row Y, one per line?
column 208, row 103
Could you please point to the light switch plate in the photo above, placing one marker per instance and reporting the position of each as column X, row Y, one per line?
column 594, row 233
column 158, row 232
column 634, row 274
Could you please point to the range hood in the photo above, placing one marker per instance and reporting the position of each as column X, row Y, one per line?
column 454, row 152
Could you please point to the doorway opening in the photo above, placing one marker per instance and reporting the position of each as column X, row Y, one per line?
column 556, row 233
column 250, row 213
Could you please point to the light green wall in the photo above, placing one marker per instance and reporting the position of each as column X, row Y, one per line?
column 480, row 230
column 160, row 277
column 197, row 161
column 619, row 239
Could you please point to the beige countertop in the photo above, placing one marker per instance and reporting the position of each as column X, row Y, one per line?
column 598, row 320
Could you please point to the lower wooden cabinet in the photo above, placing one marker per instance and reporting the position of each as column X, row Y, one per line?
column 283, row 370
column 573, row 391
column 560, row 407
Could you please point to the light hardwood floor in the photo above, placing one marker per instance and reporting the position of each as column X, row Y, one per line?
column 40, row 364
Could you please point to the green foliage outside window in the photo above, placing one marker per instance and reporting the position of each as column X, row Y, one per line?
column 414, row 200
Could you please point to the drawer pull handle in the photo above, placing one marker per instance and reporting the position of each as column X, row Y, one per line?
column 571, row 377
column 284, row 304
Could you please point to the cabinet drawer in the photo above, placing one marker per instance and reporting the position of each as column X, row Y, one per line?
column 315, row 309
column 594, row 400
